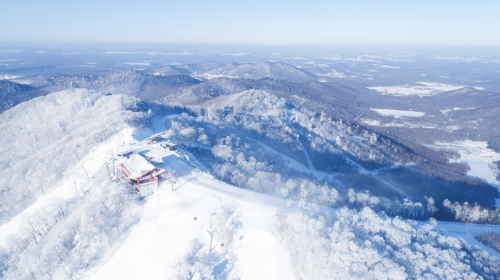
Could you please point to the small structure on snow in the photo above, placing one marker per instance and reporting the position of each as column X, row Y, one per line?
column 141, row 173
column 157, row 138
column 169, row 146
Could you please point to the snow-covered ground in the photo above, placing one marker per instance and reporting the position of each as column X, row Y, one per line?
column 386, row 66
column 292, row 163
column 168, row 228
column 446, row 111
column 377, row 123
column 66, row 187
column 477, row 155
column 334, row 74
column 468, row 232
column 80, row 170
column 479, row 158
column 8, row 77
column 137, row 63
column 399, row 113
column 424, row 89
column 212, row 76
column 410, row 124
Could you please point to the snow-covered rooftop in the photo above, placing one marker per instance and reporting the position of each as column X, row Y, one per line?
column 138, row 166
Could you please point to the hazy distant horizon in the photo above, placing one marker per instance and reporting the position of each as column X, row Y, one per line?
column 5, row 47
column 276, row 23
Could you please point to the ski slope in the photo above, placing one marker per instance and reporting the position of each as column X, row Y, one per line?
column 167, row 229
column 165, row 233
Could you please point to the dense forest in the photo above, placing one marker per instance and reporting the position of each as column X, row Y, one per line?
column 358, row 186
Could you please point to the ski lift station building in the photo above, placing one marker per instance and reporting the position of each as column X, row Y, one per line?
column 140, row 172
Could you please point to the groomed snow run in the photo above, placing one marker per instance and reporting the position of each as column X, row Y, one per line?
column 167, row 229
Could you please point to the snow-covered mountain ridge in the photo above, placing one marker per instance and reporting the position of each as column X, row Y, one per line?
column 85, row 225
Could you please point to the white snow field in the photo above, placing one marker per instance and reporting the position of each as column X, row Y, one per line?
column 138, row 63
column 398, row 113
column 85, row 225
column 167, row 230
column 8, row 77
column 46, row 140
column 424, row 89
column 64, row 189
column 446, row 111
column 167, row 227
column 468, row 232
column 386, row 66
column 334, row 73
column 479, row 158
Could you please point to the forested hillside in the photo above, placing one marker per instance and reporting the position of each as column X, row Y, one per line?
column 44, row 139
column 69, row 215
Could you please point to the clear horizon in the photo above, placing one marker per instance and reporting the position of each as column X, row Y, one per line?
column 259, row 23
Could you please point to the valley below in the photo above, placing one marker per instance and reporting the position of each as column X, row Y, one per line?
column 208, row 166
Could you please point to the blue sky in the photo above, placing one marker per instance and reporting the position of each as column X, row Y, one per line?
column 314, row 22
